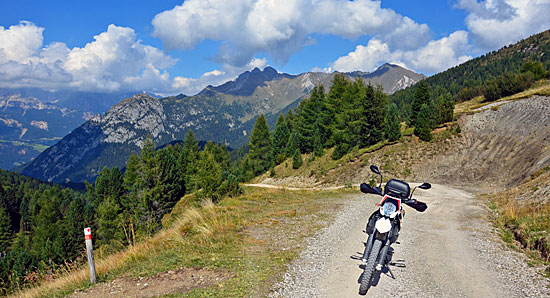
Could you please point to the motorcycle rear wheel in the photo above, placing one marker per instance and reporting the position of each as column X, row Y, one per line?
column 369, row 268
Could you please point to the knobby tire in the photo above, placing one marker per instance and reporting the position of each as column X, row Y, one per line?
column 369, row 268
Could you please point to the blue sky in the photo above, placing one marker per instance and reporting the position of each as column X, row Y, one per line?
column 173, row 47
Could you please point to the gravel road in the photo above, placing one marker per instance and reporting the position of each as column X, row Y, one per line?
column 451, row 250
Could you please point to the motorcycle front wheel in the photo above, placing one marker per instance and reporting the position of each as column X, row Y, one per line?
column 369, row 268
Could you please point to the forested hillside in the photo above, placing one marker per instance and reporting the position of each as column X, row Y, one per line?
column 41, row 225
column 479, row 75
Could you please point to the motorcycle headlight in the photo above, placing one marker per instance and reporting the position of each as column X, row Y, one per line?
column 389, row 208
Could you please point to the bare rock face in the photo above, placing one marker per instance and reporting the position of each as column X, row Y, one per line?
column 500, row 147
column 124, row 120
column 127, row 123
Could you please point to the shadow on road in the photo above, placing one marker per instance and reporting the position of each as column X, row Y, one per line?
column 386, row 270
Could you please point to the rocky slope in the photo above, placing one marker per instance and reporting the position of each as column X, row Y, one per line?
column 500, row 146
column 225, row 113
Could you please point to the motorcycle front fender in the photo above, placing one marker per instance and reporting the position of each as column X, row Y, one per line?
column 383, row 225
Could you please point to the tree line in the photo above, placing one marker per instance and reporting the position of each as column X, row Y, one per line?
column 351, row 114
column 41, row 224
column 469, row 79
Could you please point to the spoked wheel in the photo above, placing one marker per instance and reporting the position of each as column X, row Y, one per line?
column 366, row 277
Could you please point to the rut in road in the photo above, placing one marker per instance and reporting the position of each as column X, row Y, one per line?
column 448, row 251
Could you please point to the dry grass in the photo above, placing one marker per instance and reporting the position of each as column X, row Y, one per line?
column 73, row 278
column 468, row 106
column 317, row 168
column 397, row 160
column 540, row 88
column 200, row 222
column 523, row 214
column 215, row 236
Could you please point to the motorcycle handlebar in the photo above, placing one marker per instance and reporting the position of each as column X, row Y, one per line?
column 416, row 205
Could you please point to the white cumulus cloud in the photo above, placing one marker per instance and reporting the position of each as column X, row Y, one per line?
column 114, row 60
column 435, row 56
column 19, row 42
column 281, row 28
column 366, row 58
column 496, row 23
column 439, row 55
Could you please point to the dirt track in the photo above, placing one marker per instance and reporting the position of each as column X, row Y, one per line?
column 448, row 251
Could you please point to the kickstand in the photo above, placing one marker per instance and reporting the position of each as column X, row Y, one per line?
column 389, row 270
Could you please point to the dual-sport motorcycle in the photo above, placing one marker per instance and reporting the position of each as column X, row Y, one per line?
column 384, row 224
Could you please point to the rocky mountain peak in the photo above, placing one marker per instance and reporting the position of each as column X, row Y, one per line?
column 385, row 68
column 247, row 82
column 142, row 96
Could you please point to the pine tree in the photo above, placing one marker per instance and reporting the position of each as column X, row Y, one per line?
column 108, row 226
column 423, row 127
column 190, row 157
column 421, row 96
column 74, row 223
column 310, row 118
column 432, row 107
column 370, row 123
column 445, row 108
column 536, row 68
column 209, row 176
column 392, row 125
column 131, row 184
column 339, row 86
column 5, row 230
column 132, row 172
column 292, row 144
column 340, row 150
column 280, row 139
column 46, row 221
column 317, row 143
column 290, row 120
column 169, row 185
column 261, row 152
column 345, row 100
column 297, row 159
column 100, row 189
column 116, row 184
column 220, row 153
column 326, row 120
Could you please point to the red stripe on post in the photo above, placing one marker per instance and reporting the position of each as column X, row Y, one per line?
column 88, row 234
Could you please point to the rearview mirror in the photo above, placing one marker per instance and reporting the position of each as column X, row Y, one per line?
column 425, row 185
column 375, row 169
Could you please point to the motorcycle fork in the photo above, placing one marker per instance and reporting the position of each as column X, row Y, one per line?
column 384, row 250
column 368, row 247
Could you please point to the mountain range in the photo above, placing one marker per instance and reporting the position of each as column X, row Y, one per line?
column 224, row 114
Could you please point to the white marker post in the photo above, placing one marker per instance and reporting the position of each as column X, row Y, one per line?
column 90, row 253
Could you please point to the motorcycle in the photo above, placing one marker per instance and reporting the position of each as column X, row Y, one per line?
column 384, row 224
